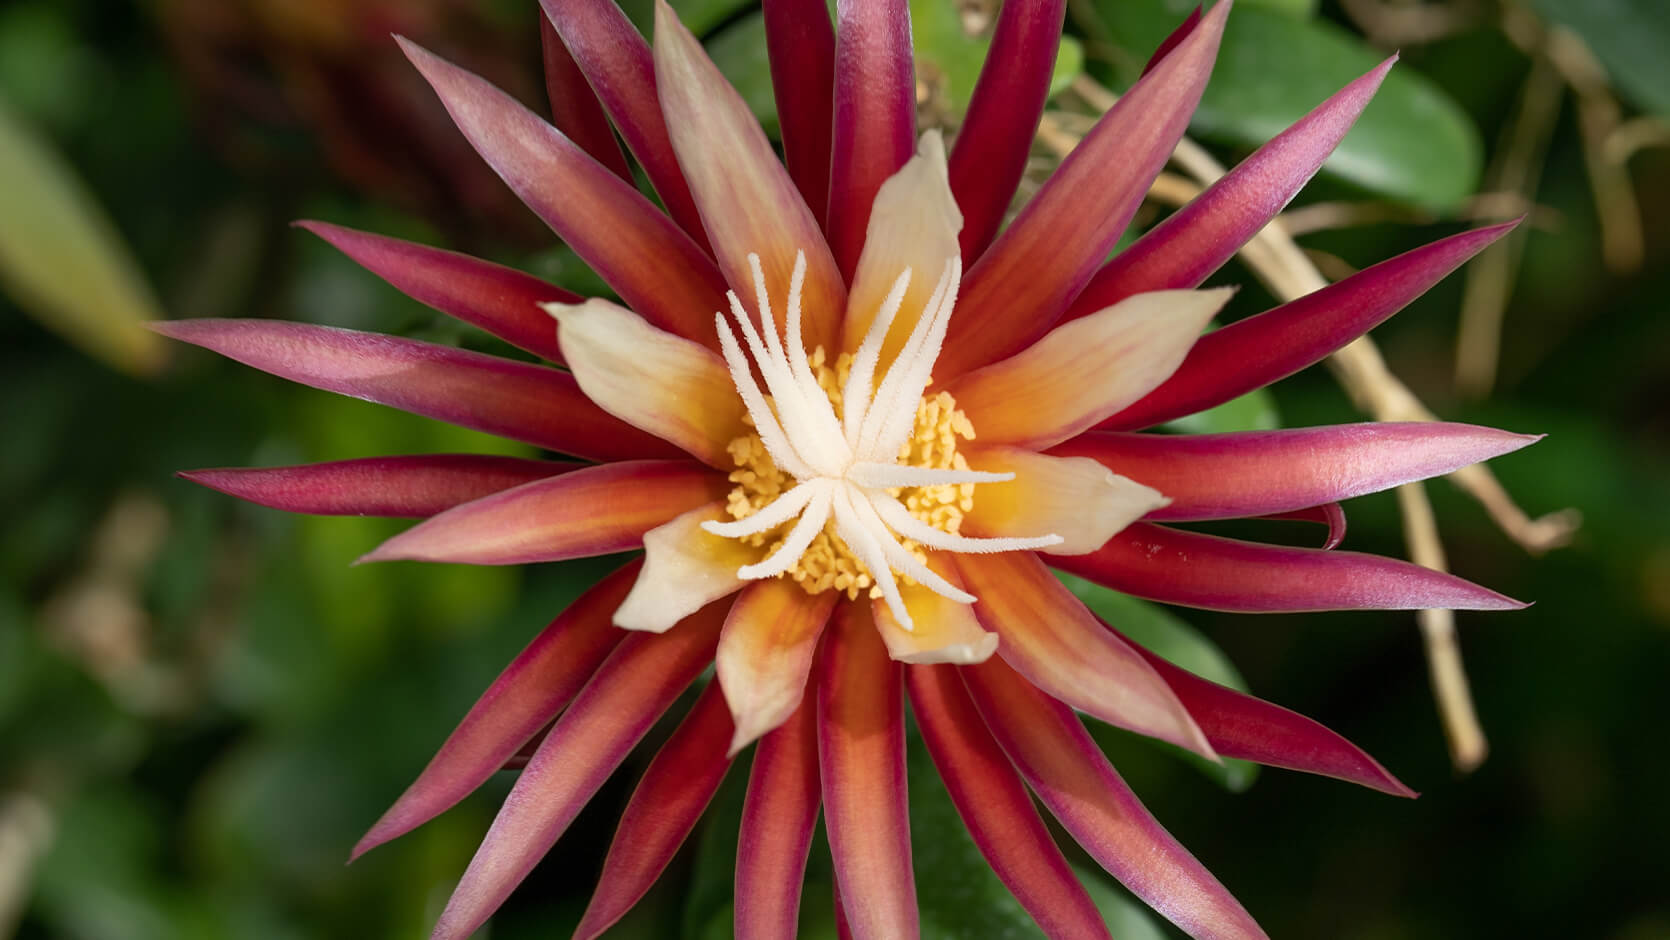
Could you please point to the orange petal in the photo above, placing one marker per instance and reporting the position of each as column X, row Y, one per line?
column 765, row 654
column 946, row 631
column 685, row 568
column 1085, row 370
column 747, row 201
column 671, row 387
column 914, row 223
column 1049, row 637
column 1074, row 497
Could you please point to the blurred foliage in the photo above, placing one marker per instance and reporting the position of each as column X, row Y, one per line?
column 202, row 706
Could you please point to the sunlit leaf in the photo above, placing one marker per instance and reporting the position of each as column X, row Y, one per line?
column 1628, row 38
column 62, row 260
column 950, row 59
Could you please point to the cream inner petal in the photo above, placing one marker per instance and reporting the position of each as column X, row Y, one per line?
column 844, row 464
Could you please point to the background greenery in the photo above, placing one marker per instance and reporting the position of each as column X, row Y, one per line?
column 202, row 706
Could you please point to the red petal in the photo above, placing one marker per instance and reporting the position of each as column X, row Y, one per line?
column 1177, row 567
column 575, row 109
column 996, row 138
column 995, row 806
column 674, row 791
column 618, row 232
column 777, row 822
column 1260, row 473
column 638, row 682
column 1328, row 514
column 518, row 400
column 1020, row 287
column 1239, row 725
column 520, row 702
column 403, row 487
column 875, row 116
column 1197, row 239
column 801, row 44
column 594, row 511
column 500, row 300
column 1170, row 42
column 861, row 751
column 616, row 61
column 1255, row 352
column 1073, row 778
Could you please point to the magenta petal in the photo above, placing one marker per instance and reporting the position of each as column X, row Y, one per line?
column 1260, row 473
column 1022, row 285
column 995, row 806
column 992, row 146
column 639, row 681
column 1073, row 778
column 674, row 791
column 403, row 487
column 1170, row 42
column 1254, row 352
column 594, row 511
column 617, row 63
column 1331, row 515
column 618, row 232
column 1177, row 567
column 875, row 116
column 801, row 44
column 1197, row 239
column 778, row 817
column 500, row 300
column 575, row 109
column 517, row 400
column 1239, row 725
column 514, row 709
column 861, row 760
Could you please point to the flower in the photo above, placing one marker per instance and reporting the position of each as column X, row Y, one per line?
column 847, row 458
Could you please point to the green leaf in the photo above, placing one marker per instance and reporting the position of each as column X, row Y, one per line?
column 63, row 262
column 1176, row 642
column 1413, row 144
column 1126, row 917
column 946, row 52
column 698, row 16
column 1254, row 411
column 1298, row 9
column 1628, row 38
column 740, row 53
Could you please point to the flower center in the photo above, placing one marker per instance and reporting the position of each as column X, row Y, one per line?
column 847, row 480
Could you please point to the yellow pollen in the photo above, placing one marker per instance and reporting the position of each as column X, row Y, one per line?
column 828, row 563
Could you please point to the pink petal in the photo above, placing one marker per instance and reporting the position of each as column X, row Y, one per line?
column 1197, row 239
column 1071, row 776
column 765, row 654
column 801, row 44
column 1260, row 473
column 861, row 759
column 1239, row 725
column 875, row 115
column 1023, row 284
column 1255, row 352
column 747, row 201
column 594, row 511
column 517, row 400
column 514, row 709
column 575, row 110
column 995, row 806
column 1047, row 635
column 618, row 232
column 410, row 487
column 778, row 817
column 1177, row 567
column 996, row 137
column 617, row 62
column 1170, row 42
column 670, row 798
column 638, row 682
column 500, row 300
